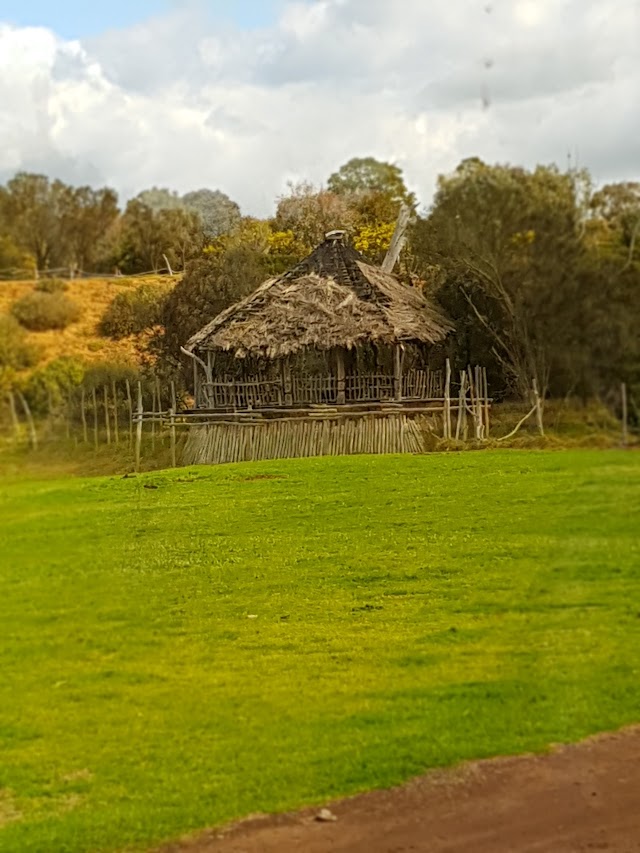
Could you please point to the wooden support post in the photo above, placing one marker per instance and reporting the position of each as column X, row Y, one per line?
column 196, row 385
column 398, row 361
column 172, row 416
column 340, row 377
column 139, row 427
column 286, row 381
column 130, row 408
column 209, row 394
column 83, row 415
column 114, row 394
column 33, row 436
column 106, row 414
column 625, row 415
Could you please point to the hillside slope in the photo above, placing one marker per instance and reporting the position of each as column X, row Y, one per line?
column 82, row 339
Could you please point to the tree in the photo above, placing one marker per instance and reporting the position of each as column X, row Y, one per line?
column 509, row 242
column 58, row 225
column 219, row 214
column 160, row 198
column 211, row 284
column 12, row 257
column 364, row 175
column 309, row 213
column 143, row 243
column 618, row 205
column 87, row 215
column 147, row 236
column 182, row 231
column 32, row 209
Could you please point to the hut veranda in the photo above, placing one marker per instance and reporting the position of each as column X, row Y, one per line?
column 330, row 358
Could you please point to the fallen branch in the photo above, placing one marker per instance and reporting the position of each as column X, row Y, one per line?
column 514, row 431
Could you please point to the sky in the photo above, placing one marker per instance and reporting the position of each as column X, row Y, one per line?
column 78, row 19
column 246, row 96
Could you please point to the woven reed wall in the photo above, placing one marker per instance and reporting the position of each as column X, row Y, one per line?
column 293, row 438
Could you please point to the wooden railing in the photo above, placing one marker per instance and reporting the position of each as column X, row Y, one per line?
column 314, row 389
column 259, row 392
column 422, row 385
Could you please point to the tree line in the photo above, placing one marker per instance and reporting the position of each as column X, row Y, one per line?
column 538, row 269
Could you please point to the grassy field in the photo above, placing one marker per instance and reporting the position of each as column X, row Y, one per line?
column 184, row 648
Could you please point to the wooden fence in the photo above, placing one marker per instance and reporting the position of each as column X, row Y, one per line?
column 319, row 428
column 264, row 391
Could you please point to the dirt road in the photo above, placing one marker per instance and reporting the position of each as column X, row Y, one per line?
column 577, row 799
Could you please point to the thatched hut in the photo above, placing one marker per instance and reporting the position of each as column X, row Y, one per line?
column 334, row 330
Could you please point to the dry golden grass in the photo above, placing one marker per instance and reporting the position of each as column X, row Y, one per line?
column 82, row 340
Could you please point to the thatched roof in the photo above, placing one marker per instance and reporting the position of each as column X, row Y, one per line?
column 333, row 298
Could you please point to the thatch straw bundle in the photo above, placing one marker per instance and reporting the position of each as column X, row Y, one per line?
column 332, row 299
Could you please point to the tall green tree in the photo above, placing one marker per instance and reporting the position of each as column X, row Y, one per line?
column 32, row 210
column 218, row 213
column 160, row 198
column 147, row 235
column 364, row 175
column 211, row 284
column 507, row 242
column 310, row 213
column 618, row 206
column 87, row 215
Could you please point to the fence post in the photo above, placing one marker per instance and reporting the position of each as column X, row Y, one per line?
column 116, row 431
column 139, row 427
column 153, row 417
column 130, row 407
column 625, row 415
column 14, row 414
column 69, row 417
column 447, row 401
column 172, row 415
column 487, row 406
column 462, row 402
column 32, row 427
column 106, row 414
column 159, row 399
column 538, row 404
column 95, row 417
column 83, row 416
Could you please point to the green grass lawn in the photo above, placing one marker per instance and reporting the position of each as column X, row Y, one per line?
column 185, row 648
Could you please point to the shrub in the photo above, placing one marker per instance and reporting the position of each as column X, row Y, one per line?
column 15, row 352
column 133, row 311
column 47, row 385
column 51, row 285
column 40, row 312
column 106, row 372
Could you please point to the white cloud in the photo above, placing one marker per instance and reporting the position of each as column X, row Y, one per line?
column 182, row 103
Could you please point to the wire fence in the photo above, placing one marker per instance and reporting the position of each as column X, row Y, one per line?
column 72, row 274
